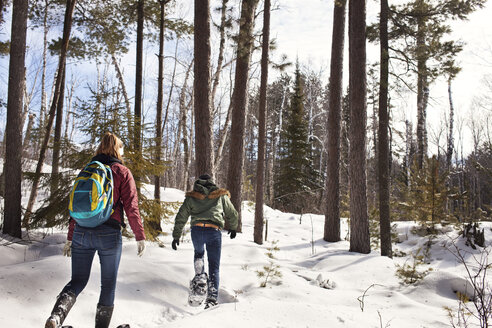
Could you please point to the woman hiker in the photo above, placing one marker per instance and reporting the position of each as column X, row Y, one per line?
column 82, row 243
column 209, row 207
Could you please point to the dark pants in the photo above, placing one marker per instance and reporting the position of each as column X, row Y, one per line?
column 212, row 239
column 86, row 241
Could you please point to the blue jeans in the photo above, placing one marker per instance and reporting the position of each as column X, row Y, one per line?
column 85, row 242
column 212, row 239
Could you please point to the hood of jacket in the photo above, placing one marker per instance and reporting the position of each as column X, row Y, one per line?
column 204, row 187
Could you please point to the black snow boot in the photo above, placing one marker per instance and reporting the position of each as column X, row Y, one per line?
column 103, row 316
column 210, row 302
column 64, row 303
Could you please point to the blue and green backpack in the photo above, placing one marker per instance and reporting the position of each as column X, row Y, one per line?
column 91, row 198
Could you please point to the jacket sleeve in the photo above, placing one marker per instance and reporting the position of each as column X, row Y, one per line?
column 181, row 218
column 230, row 212
column 129, row 198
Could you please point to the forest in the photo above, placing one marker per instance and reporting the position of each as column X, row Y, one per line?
column 203, row 88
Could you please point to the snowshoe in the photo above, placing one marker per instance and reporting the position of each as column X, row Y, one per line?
column 198, row 290
column 210, row 303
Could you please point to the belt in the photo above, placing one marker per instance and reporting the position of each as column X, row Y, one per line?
column 207, row 225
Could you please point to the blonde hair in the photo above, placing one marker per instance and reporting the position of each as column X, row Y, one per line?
column 110, row 145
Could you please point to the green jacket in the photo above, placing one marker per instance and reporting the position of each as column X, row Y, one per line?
column 206, row 203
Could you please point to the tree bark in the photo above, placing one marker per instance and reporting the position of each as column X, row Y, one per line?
column 67, row 26
column 220, row 59
column 422, row 92
column 44, row 63
column 383, row 145
column 183, row 118
column 359, row 221
column 332, row 214
column 449, row 153
column 121, row 80
column 139, row 79
column 27, row 137
column 13, row 133
column 203, row 120
column 240, row 104
column 160, row 96
column 260, row 164
column 55, row 168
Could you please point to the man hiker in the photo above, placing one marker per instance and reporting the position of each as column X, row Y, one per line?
column 209, row 207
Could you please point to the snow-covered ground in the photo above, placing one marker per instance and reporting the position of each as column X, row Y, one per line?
column 325, row 288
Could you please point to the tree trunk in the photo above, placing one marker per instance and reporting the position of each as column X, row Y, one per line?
column 422, row 93
column 383, row 145
column 66, row 134
column 139, row 79
column 183, row 118
column 449, row 153
column 160, row 93
column 42, row 111
column 172, row 86
column 67, row 26
column 27, row 137
column 220, row 59
column 332, row 188
column 55, row 169
column 260, row 164
column 13, row 130
column 240, row 104
column 121, row 80
column 203, row 121
column 359, row 221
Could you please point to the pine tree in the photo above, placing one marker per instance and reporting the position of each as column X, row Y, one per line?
column 240, row 103
column 13, row 167
column 203, row 121
column 417, row 32
column 359, row 220
column 383, row 144
column 260, row 172
column 425, row 197
column 296, row 178
column 332, row 188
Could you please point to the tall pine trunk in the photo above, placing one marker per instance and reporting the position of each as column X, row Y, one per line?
column 203, row 120
column 359, row 221
column 139, row 81
column 383, row 145
column 55, row 168
column 121, row 81
column 260, row 164
column 183, row 119
column 422, row 90
column 160, row 96
column 42, row 112
column 240, row 104
column 220, row 58
column 332, row 187
column 449, row 152
column 13, row 129
column 67, row 26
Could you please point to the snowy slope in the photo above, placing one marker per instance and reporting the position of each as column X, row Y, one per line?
column 152, row 290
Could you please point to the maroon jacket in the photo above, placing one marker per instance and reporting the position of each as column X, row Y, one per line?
column 125, row 190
